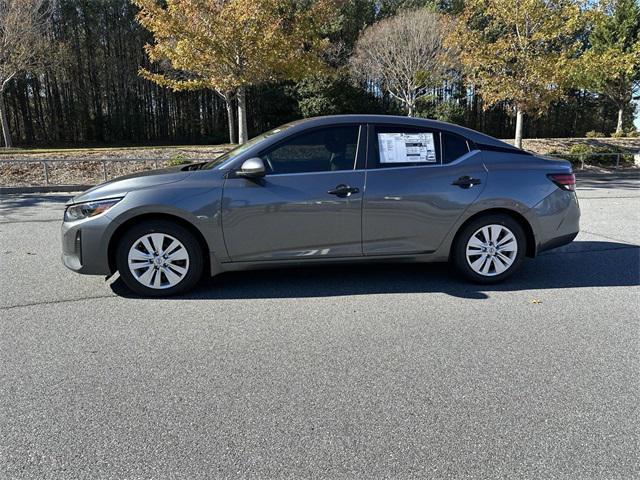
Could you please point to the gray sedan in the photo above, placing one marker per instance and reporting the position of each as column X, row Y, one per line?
column 352, row 188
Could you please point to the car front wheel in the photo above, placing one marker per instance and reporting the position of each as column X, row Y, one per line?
column 490, row 248
column 159, row 258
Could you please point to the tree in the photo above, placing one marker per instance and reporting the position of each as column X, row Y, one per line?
column 23, row 29
column 389, row 8
column 611, row 66
column 227, row 45
column 518, row 52
column 334, row 95
column 90, row 92
column 404, row 55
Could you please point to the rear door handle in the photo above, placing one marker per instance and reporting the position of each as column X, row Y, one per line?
column 466, row 182
column 343, row 190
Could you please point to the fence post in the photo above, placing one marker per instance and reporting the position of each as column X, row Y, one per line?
column 617, row 160
column 46, row 173
column 104, row 170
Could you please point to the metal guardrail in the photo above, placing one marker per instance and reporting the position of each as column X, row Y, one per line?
column 582, row 157
column 45, row 162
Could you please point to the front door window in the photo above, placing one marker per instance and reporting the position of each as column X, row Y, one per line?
column 320, row 150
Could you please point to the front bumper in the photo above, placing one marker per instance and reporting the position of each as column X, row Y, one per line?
column 85, row 245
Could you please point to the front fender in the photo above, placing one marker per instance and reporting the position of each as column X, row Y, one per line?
column 200, row 208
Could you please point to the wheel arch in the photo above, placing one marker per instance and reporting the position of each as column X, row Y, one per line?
column 524, row 223
column 124, row 226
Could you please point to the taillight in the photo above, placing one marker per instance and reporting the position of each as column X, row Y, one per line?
column 566, row 181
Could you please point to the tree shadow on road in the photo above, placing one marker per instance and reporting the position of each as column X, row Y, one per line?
column 10, row 202
column 625, row 180
column 25, row 207
column 580, row 264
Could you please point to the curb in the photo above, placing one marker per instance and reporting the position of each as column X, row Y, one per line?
column 44, row 189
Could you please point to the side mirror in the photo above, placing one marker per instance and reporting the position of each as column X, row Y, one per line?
column 252, row 168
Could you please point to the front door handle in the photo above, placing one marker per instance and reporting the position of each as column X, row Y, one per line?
column 343, row 190
column 466, row 182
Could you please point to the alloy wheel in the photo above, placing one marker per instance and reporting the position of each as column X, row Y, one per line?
column 158, row 260
column 491, row 250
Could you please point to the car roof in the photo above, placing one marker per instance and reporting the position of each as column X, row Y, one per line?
column 479, row 138
column 481, row 141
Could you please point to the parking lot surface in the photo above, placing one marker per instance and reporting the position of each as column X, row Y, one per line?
column 386, row 371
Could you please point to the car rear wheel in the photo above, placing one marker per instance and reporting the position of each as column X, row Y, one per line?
column 159, row 258
column 490, row 248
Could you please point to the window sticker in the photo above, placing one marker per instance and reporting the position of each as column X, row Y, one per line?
column 407, row 148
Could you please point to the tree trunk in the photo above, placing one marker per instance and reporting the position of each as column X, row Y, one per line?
column 228, row 101
column 243, row 135
column 6, row 134
column 518, row 139
column 619, row 125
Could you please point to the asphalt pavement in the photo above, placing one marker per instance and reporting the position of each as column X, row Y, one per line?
column 385, row 371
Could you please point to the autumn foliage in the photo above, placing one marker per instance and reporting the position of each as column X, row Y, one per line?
column 519, row 52
column 229, row 45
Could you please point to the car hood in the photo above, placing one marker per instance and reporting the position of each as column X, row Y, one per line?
column 137, row 181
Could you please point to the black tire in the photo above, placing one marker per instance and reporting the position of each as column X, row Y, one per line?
column 460, row 246
column 184, row 236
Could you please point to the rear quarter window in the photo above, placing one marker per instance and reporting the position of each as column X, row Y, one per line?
column 453, row 147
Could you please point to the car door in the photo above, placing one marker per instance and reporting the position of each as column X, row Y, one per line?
column 419, row 182
column 308, row 206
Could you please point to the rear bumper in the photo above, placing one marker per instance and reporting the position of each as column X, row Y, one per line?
column 558, row 218
column 557, row 242
column 85, row 243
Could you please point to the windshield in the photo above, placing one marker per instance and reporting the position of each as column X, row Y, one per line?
column 242, row 148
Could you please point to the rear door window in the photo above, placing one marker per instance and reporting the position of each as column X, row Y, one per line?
column 403, row 146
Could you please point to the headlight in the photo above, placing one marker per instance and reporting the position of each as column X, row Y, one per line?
column 88, row 209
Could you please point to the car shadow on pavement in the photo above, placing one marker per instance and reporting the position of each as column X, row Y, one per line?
column 580, row 264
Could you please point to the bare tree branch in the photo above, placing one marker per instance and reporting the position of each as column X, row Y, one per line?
column 404, row 55
column 23, row 47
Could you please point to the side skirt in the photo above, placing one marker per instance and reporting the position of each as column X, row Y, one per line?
column 219, row 267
